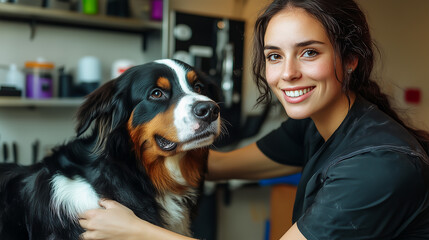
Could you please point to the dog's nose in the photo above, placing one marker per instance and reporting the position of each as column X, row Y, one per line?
column 206, row 111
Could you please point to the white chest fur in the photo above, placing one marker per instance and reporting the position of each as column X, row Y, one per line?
column 177, row 212
column 72, row 196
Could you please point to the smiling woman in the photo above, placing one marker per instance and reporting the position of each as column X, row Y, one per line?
column 302, row 69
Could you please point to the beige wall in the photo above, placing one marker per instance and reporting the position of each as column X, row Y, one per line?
column 400, row 28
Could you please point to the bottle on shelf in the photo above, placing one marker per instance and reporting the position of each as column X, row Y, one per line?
column 39, row 80
column 13, row 85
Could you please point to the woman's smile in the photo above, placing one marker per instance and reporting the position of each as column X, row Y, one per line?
column 297, row 94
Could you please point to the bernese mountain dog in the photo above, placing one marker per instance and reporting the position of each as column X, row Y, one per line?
column 146, row 147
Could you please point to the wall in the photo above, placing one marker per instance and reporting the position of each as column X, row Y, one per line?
column 400, row 31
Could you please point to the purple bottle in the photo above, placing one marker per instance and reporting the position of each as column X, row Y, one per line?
column 39, row 81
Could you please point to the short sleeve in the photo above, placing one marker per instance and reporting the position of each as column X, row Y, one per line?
column 370, row 196
column 285, row 144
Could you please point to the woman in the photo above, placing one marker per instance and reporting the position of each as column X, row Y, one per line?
column 365, row 173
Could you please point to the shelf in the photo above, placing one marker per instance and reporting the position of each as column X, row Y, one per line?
column 69, row 18
column 32, row 103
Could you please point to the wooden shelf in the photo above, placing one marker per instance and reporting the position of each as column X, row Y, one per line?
column 33, row 103
column 69, row 18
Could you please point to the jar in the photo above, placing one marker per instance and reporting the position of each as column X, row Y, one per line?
column 39, row 80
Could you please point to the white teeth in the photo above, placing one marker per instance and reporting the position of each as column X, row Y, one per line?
column 298, row 93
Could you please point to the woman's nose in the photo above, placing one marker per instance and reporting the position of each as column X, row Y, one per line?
column 291, row 70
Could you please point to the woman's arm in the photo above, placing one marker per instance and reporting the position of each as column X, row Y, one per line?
column 116, row 221
column 245, row 163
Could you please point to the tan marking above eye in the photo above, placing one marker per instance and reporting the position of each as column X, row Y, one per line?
column 191, row 76
column 163, row 83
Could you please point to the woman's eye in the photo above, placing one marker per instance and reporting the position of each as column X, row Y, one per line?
column 157, row 94
column 198, row 88
column 310, row 53
column 273, row 57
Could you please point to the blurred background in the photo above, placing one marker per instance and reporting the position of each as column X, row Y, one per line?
column 54, row 52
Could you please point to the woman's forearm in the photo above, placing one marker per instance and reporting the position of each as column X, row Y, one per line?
column 245, row 163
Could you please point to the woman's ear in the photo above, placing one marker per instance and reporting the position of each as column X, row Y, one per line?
column 352, row 64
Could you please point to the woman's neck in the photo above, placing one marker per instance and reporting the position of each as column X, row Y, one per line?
column 328, row 122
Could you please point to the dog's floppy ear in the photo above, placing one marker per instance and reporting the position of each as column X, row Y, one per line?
column 99, row 105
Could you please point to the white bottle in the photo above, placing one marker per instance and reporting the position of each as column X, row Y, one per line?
column 15, row 78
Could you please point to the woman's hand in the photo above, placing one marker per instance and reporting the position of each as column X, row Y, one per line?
column 114, row 221
column 118, row 222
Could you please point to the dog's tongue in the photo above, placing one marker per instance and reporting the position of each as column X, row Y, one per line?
column 164, row 144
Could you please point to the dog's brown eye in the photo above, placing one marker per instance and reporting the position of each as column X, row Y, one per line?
column 198, row 88
column 156, row 94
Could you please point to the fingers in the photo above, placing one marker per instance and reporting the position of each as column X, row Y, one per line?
column 88, row 221
column 86, row 236
column 90, row 236
column 88, row 224
column 106, row 203
column 84, row 224
column 89, row 214
column 92, row 213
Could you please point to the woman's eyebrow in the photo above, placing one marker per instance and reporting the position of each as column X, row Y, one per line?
column 300, row 44
column 270, row 47
column 307, row 43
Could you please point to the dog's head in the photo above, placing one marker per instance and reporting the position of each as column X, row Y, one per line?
column 165, row 106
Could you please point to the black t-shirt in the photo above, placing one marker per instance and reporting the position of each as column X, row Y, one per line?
column 369, row 180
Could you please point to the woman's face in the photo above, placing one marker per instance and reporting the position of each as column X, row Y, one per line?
column 300, row 66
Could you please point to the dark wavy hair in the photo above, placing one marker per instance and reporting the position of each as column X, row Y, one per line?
column 349, row 34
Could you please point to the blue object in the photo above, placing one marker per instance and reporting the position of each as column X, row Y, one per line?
column 267, row 230
column 290, row 179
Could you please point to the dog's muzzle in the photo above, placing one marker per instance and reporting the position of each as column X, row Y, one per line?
column 197, row 128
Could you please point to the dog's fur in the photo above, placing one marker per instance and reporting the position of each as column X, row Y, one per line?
column 148, row 149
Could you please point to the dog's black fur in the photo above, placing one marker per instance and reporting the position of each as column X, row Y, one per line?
column 106, row 159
